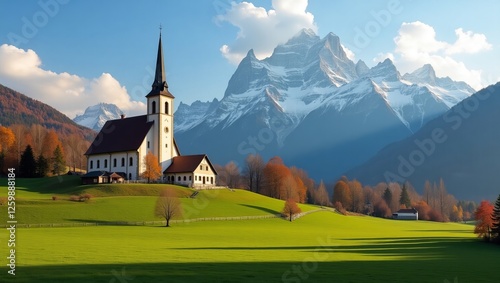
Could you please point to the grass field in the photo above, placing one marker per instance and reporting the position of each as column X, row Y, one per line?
column 319, row 247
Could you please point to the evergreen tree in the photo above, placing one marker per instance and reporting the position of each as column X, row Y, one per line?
column 387, row 196
column 42, row 166
column 495, row 229
column 405, row 198
column 27, row 166
column 58, row 165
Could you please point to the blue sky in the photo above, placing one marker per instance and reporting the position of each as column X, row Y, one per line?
column 72, row 54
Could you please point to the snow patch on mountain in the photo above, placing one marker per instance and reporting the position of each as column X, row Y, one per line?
column 96, row 116
column 308, row 73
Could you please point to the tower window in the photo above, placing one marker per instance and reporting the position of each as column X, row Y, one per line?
column 148, row 144
column 91, row 164
column 105, row 163
column 131, row 162
column 123, row 161
column 166, row 108
column 98, row 164
column 153, row 107
column 114, row 162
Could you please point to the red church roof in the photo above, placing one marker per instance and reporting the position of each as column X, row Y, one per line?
column 187, row 164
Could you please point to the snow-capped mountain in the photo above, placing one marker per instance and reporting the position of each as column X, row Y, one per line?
column 313, row 106
column 96, row 116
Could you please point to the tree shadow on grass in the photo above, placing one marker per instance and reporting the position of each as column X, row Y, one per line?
column 105, row 222
column 265, row 209
column 421, row 259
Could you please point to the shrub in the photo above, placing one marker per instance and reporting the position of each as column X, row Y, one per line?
column 86, row 197
column 338, row 206
column 74, row 198
column 55, row 198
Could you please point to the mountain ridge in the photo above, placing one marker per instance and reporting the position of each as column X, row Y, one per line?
column 311, row 80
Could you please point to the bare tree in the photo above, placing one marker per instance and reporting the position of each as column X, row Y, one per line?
column 168, row 206
column 233, row 174
column 321, row 195
column 254, row 165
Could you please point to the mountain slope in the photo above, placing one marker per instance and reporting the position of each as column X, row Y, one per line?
column 17, row 108
column 308, row 101
column 460, row 146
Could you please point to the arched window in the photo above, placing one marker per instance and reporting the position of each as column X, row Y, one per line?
column 166, row 108
column 98, row 164
column 153, row 107
column 123, row 161
column 105, row 163
column 114, row 162
column 91, row 164
column 131, row 162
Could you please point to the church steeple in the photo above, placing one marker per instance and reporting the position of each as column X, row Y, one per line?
column 159, row 86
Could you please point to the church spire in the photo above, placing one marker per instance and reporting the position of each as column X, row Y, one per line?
column 160, row 86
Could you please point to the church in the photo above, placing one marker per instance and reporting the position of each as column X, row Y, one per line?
column 119, row 150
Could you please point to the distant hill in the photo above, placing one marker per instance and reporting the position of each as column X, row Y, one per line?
column 17, row 108
column 462, row 147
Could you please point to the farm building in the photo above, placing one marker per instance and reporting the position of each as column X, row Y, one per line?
column 406, row 214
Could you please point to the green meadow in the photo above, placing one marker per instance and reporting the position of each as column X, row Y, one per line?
column 319, row 247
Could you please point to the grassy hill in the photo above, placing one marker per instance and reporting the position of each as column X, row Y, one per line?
column 318, row 247
column 126, row 202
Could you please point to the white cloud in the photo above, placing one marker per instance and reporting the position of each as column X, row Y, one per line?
column 382, row 56
column 349, row 53
column 468, row 42
column 263, row 30
column 21, row 70
column 416, row 45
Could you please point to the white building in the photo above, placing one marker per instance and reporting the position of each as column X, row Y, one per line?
column 122, row 144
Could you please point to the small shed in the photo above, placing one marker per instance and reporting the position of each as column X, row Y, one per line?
column 95, row 177
column 406, row 214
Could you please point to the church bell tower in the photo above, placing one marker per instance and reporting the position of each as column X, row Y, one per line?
column 160, row 111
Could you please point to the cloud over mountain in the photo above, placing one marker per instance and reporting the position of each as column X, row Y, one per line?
column 417, row 44
column 71, row 94
column 263, row 30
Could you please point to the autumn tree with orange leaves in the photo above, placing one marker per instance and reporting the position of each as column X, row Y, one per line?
column 291, row 208
column 7, row 139
column 153, row 168
column 483, row 216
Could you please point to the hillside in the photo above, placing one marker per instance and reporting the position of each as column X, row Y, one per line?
column 17, row 108
column 127, row 202
column 460, row 146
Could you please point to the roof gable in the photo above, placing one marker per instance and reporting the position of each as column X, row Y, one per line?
column 121, row 135
column 188, row 163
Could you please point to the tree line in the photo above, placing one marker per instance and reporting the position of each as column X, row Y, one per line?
column 487, row 218
column 38, row 151
column 273, row 178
